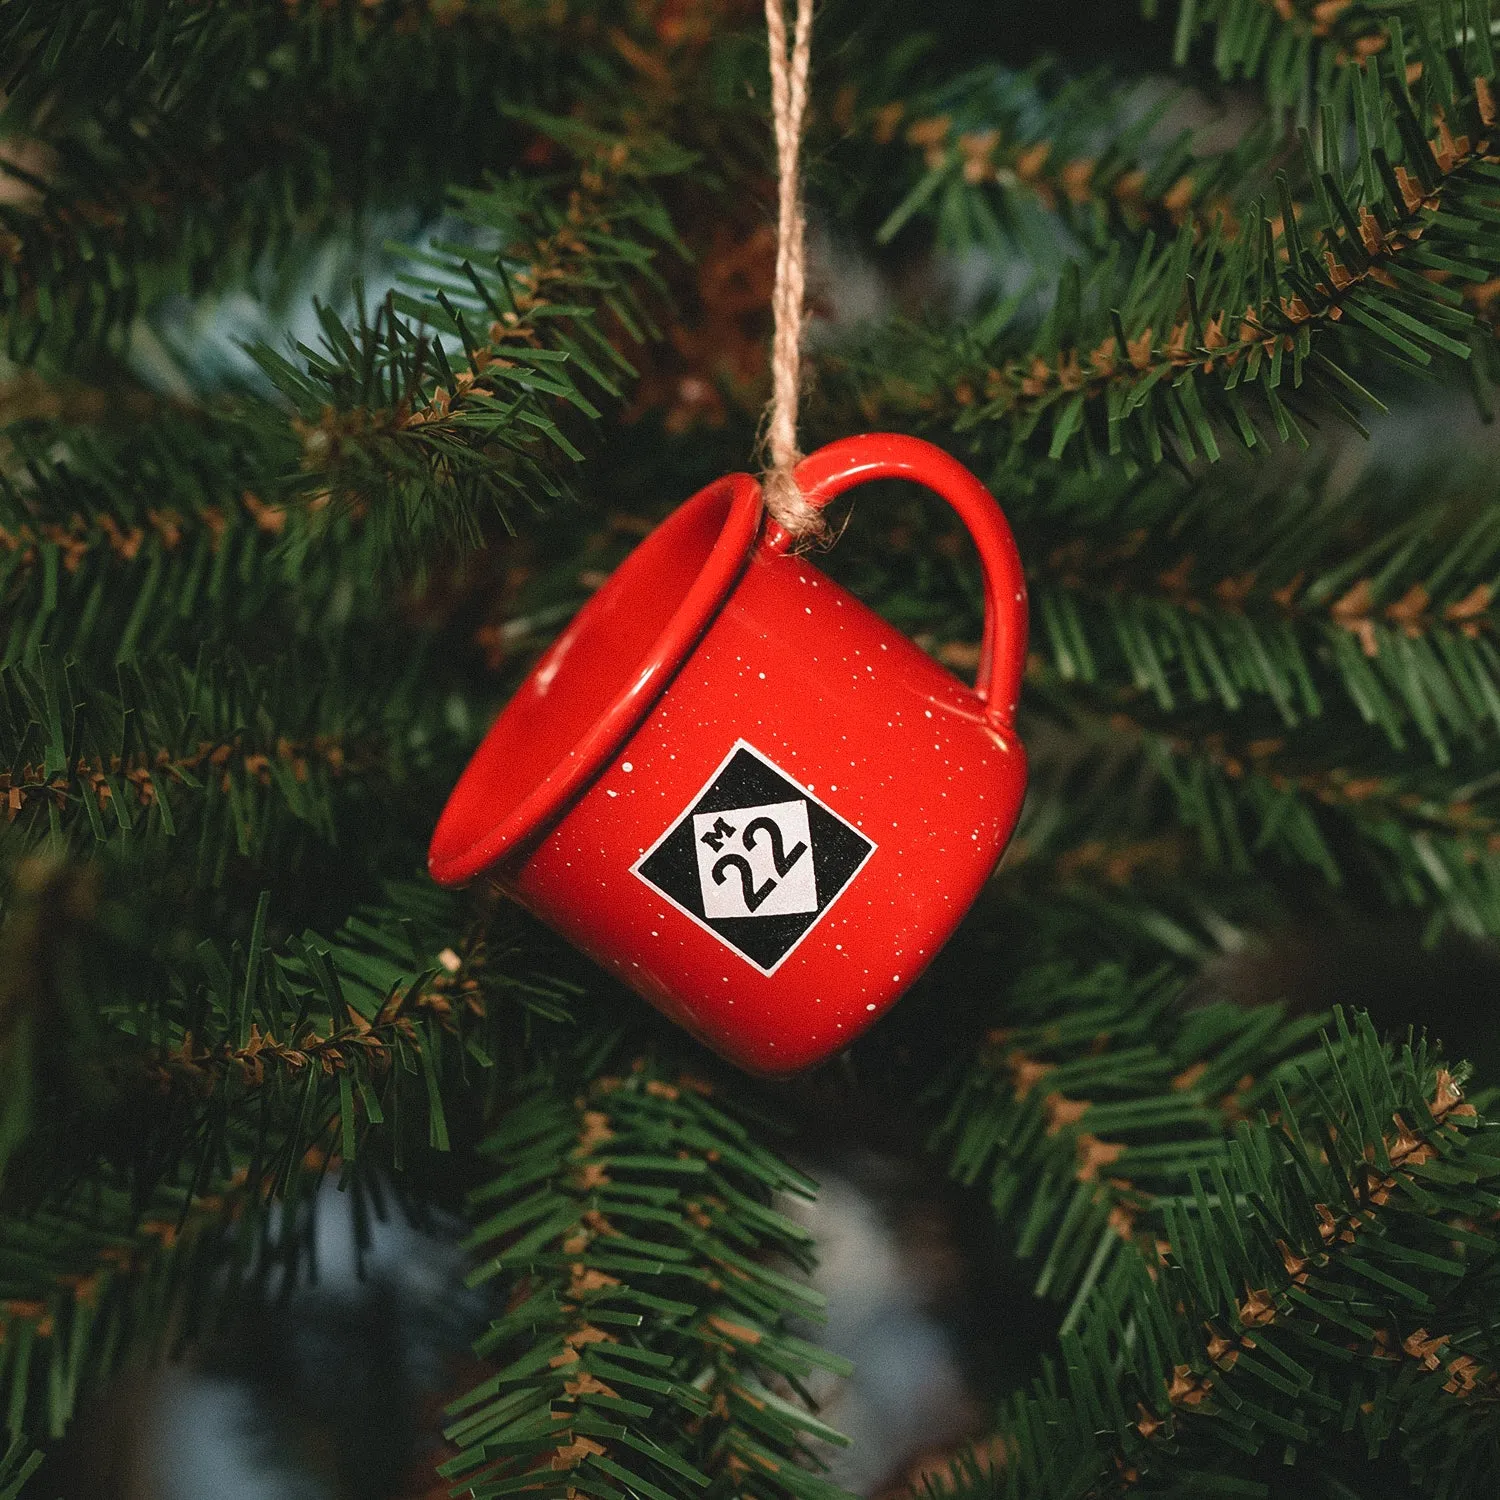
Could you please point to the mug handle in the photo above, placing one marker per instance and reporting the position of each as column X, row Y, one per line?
column 882, row 455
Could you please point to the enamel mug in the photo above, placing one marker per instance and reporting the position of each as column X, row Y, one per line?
column 738, row 788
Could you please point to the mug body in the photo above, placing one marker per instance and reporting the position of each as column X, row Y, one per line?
column 738, row 788
column 791, row 832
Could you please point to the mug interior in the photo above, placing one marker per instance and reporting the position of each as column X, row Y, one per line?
column 594, row 665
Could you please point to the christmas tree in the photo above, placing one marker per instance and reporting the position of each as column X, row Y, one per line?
column 1205, row 295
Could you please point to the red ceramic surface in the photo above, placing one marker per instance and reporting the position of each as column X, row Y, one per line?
column 741, row 790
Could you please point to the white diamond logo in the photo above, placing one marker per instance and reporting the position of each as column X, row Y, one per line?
column 755, row 861
column 755, row 858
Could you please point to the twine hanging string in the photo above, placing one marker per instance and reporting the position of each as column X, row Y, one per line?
column 789, row 69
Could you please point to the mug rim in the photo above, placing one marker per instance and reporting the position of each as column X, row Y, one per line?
column 535, row 814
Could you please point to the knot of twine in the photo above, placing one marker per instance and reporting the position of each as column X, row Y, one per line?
column 789, row 68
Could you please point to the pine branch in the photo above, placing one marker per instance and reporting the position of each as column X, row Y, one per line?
column 388, row 419
column 226, row 756
column 1075, row 1140
column 644, row 1341
column 1267, row 599
column 373, row 1033
column 244, row 1084
column 1115, row 804
column 1392, row 832
column 253, row 1052
column 1300, row 1285
column 991, row 152
column 101, row 580
column 1161, row 1161
column 87, row 1287
column 18, row 1462
column 1207, row 666
column 1300, row 51
column 1203, row 333
column 221, row 543
column 186, row 144
column 1288, row 608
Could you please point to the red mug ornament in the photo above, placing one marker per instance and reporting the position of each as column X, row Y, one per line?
column 742, row 791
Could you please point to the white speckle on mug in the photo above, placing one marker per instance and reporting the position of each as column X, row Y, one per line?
column 626, row 766
column 614, row 794
column 869, row 1007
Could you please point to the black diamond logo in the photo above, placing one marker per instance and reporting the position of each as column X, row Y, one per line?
column 756, row 859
